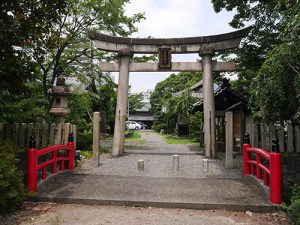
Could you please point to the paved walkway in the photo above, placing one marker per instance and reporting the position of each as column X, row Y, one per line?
column 118, row 181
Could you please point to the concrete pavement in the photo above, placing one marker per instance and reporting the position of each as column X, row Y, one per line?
column 191, row 193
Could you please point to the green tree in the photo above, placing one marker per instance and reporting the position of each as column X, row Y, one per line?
column 278, row 85
column 194, row 123
column 66, row 50
column 270, row 80
column 135, row 102
column 48, row 39
column 162, row 97
column 22, row 24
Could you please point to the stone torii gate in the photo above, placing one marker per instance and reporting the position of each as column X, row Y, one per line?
column 205, row 46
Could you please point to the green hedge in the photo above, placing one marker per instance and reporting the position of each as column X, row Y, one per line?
column 294, row 208
column 12, row 188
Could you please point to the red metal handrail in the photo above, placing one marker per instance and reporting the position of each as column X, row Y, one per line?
column 33, row 167
column 254, row 167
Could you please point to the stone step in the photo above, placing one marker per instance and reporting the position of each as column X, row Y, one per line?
column 193, row 193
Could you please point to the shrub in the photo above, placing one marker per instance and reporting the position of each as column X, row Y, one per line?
column 84, row 141
column 160, row 126
column 12, row 188
column 294, row 208
column 194, row 122
column 132, row 134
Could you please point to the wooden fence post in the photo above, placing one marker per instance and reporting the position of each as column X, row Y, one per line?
column 74, row 131
column 37, row 134
column 52, row 134
column 23, row 136
column 16, row 134
column 263, row 135
column 29, row 134
column 290, row 138
column 58, row 139
column 270, row 136
column 254, row 137
column 297, row 131
column 45, row 135
column 281, row 138
column 66, row 132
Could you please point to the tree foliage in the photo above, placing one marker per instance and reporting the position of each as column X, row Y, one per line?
column 163, row 97
column 277, row 85
column 268, row 68
column 135, row 102
column 46, row 39
column 174, row 83
column 22, row 24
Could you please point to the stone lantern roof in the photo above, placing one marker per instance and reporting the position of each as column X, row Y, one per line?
column 60, row 89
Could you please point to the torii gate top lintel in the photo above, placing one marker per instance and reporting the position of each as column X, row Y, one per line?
column 218, row 42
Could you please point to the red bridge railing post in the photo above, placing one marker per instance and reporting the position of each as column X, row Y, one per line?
column 71, row 144
column 71, row 164
column 246, row 158
column 32, row 165
column 275, row 173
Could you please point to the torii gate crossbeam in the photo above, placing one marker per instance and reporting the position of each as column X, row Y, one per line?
column 206, row 46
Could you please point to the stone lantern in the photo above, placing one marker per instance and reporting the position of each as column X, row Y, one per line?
column 59, row 107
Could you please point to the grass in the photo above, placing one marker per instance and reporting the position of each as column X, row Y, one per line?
column 179, row 140
column 102, row 150
column 133, row 136
column 89, row 154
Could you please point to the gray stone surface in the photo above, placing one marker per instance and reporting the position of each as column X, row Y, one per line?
column 204, row 193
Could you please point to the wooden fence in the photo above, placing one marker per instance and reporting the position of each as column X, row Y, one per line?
column 46, row 134
column 261, row 136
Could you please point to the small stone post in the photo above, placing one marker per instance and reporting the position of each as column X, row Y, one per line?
column 205, row 166
column 175, row 165
column 140, row 164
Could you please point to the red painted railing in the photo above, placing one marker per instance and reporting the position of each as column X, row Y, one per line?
column 271, row 173
column 33, row 166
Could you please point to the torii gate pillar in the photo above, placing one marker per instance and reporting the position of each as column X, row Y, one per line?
column 120, row 119
column 208, row 105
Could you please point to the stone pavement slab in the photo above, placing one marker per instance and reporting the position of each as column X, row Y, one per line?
column 238, row 194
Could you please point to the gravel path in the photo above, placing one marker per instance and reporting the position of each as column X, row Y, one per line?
column 158, row 156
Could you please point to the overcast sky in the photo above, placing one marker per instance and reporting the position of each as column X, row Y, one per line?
column 174, row 18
